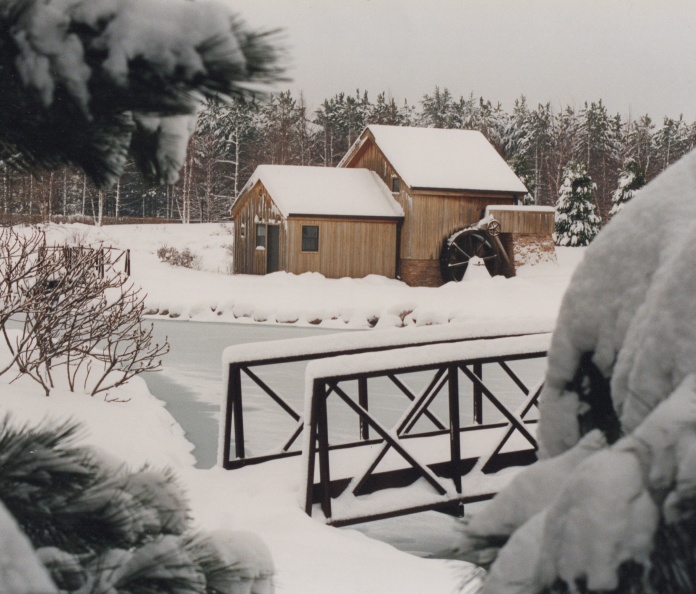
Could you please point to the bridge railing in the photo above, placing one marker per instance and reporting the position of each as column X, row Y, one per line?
column 245, row 366
column 102, row 258
column 453, row 461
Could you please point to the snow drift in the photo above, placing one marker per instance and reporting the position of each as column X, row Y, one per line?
column 629, row 313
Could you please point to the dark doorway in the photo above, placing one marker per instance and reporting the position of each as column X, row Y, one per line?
column 273, row 249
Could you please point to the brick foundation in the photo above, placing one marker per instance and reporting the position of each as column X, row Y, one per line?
column 421, row 273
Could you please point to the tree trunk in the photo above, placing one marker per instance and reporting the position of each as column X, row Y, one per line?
column 84, row 193
column 65, row 191
column 117, row 208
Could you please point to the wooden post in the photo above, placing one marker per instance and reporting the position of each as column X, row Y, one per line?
column 478, row 395
column 317, row 390
column 455, row 436
column 323, row 439
column 363, row 401
column 236, row 409
column 227, row 422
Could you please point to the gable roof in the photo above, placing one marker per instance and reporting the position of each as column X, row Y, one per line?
column 439, row 159
column 326, row 191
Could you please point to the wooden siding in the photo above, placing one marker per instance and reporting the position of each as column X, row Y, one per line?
column 370, row 157
column 347, row 247
column 528, row 222
column 429, row 216
column 255, row 206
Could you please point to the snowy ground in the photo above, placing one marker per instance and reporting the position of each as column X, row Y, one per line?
column 134, row 426
column 213, row 295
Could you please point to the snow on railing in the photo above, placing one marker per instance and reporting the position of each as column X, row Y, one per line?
column 452, row 460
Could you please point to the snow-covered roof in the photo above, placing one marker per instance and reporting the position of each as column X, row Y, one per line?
column 433, row 158
column 326, row 191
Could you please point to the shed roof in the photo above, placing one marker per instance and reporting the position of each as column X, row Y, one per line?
column 326, row 191
column 435, row 158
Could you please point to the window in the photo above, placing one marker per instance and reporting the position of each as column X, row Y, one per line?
column 242, row 231
column 396, row 184
column 261, row 235
column 310, row 238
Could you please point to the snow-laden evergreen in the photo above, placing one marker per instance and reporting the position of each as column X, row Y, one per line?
column 89, row 83
column 577, row 221
column 631, row 179
column 622, row 362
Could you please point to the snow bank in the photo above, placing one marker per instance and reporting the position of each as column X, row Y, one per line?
column 129, row 425
column 209, row 294
column 127, row 422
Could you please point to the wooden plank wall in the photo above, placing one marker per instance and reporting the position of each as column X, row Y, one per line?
column 256, row 206
column 429, row 217
column 528, row 222
column 347, row 247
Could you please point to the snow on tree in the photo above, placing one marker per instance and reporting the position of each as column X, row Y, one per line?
column 520, row 166
column 94, row 526
column 577, row 222
column 611, row 506
column 631, row 179
column 88, row 82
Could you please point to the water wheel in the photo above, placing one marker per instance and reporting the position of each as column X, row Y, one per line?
column 462, row 246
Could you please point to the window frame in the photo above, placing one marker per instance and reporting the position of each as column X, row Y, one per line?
column 259, row 235
column 396, row 184
column 309, row 238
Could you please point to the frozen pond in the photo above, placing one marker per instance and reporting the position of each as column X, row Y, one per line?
column 191, row 379
column 191, row 385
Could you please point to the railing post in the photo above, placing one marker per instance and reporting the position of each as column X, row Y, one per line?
column 323, row 439
column 363, row 401
column 317, row 392
column 455, row 435
column 478, row 395
column 235, row 412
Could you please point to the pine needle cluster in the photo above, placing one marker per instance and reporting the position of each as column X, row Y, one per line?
column 99, row 528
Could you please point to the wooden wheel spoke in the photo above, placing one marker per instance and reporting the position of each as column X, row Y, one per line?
column 461, row 250
column 481, row 248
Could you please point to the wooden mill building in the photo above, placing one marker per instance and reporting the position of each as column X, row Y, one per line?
column 401, row 204
column 339, row 222
column 443, row 180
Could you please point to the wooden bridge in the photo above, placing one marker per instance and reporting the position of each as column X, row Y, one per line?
column 446, row 447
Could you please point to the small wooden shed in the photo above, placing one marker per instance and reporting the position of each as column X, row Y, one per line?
column 443, row 180
column 338, row 222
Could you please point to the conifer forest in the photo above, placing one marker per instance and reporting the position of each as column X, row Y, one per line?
column 231, row 139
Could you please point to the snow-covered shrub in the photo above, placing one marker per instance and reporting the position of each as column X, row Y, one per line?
column 176, row 257
column 78, row 315
column 631, row 179
column 577, row 221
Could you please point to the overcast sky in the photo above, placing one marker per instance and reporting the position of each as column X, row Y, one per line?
column 637, row 55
